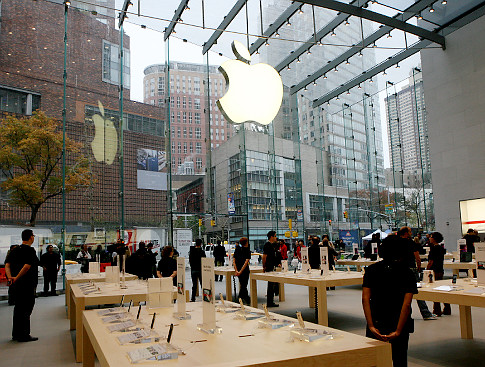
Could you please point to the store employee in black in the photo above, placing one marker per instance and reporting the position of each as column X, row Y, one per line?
column 242, row 256
column 21, row 270
column 269, row 261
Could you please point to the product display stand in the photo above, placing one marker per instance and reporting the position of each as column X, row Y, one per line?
column 208, row 299
column 225, row 308
column 123, row 283
column 244, row 314
column 161, row 351
column 269, row 322
column 181, row 313
column 308, row 335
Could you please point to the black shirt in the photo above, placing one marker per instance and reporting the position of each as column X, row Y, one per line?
column 270, row 252
column 437, row 254
column 50, row 261
column 195, row 258
column 241, row 254
column 17, row 258
column 389, row 282
column 166, row 267
column 219, row 253
column 314, row 256
column 470, row 242
column 410, row 247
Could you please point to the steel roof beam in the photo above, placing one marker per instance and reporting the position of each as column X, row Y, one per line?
column 404, row 54
column 379, row 18
column 176, row 17
column 407, row 14
column 225, row 22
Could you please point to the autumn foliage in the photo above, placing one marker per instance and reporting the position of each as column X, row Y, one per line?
column 31, row 161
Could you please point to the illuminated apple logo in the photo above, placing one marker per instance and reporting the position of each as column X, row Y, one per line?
column 105, row 142
column 254, row 92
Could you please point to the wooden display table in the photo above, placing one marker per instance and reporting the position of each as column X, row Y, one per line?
column 228, row 272
column 86, row 277
column 110, row 294
column 455, row 266
column 241, row 343
column 461, row 297
column 312, row 280
column 359, row 263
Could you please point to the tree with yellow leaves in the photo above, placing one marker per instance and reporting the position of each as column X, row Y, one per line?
column 31, row 161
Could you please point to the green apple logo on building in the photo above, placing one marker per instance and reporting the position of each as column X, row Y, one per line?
column 105, row 142
column 254, row 92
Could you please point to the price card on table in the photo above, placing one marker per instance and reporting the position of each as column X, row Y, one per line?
column 133, row 337
column 121, row 326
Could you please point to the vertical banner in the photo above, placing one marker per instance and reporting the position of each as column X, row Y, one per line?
column 324, row 264
column 181, row 285
column 231, row 207
column 480, row 258
column 208, row 294
column 305, row 265
column 355, row 249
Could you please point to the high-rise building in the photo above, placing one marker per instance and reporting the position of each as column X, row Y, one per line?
column 407, row 126
column 188, row 104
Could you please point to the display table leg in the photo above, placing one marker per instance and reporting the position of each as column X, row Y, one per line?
column 72, row 312
column 67, row 295
column 282, row 292
column 456, row 272
column 254, row 293
column 80, row 306
column 311, row 297
column 228, row 288
column 466, row 322
column 87, row 350
column 322, row 305
column 358, row 268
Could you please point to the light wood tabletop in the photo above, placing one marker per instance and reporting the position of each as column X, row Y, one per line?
column 241, row 343
column 314, row 281
column 86, row 277
column 228, row 272
column 462, row 296
column 359, row 263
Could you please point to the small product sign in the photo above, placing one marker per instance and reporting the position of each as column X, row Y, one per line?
column 305, row 265
column 480, row 258
column 324, row 265
column 181, row 285
column 208, row 294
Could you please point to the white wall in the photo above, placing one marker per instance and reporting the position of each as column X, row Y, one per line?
column 454, row 87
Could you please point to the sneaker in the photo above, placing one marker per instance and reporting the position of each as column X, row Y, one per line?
column 27, row 339
column 273, row 305
column 431, row 317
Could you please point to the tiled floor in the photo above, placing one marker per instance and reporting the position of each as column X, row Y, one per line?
column 434, row 343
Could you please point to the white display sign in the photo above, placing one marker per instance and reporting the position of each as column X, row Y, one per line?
column 305, row 265
column 181, row 285
column 461, row 245
column 374, row 249
column 94, row 268
column 160, row 292
column 355, row 249
column 183, row 241
column 208, row 294
column 112, row 274
column 480, row 259
column 324, row 264
column 284, row 266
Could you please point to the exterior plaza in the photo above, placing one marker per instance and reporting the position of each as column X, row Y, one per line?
column 150, row 152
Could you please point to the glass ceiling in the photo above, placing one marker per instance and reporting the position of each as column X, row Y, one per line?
column 267, row 24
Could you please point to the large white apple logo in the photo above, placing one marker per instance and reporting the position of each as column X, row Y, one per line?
column 254, row 92
column 105, row 142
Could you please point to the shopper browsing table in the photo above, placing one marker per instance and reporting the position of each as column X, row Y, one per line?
column 167, row 266
column 436, row 258
column 387, row 293
column 195, row 260
column 240, row 261
column 269, row 261
column 21, row 271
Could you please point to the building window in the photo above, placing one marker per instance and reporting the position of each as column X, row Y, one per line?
column 190, row 117
column 190, row 132
column 198, row 148
column 197, row 103
column 198, row 133
column 198, row 163
column 178, row 132
column 184, row 117
column 184, row 101
column 191, row 148
column 190, row 103
column 172, row 102
column 179, row 147
column 197, row 118
column 111, row 65
column 178, row 102
column 185, row 147
column 18, row 101
column 178, row 117
column 185, row 133
column 173, row 132
column 173, row 147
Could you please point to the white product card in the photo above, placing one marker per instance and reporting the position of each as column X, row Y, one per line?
column 115, row 318
column 284, row 266
column 131, row 337
column 480, row 259
column 208, row 293
column 121, row 326
column 94, row 268
column 160, row 292
column 181, row 285
column 355, row 249
column 112, row 274
column 305, row 265
column 324, row 264
column 461, row 245
column 374, row 249
column 111, row 311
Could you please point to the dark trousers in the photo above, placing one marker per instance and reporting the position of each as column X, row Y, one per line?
column 219, row 262
column 196, row 277
column 436, row 305
column 24, row 304
column 50, row 277
column 270, row 292
column 243, row 286
column 399, row 348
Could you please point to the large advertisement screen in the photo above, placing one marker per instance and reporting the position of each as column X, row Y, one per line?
column 472, row 214
column 151, row 169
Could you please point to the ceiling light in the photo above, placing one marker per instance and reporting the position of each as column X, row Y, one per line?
column 288, row 67
column 347, row 22
column 187, row 7
column 336, row 70
column 267, row 43
column 288, row 23
column 324, row 76
column 360, row 54
column 397, row 66
column 431, row 10
column 314, row 82
column 277, row 35
column 389, row 35
column 348, row 92
column 257, row 52
column 309, row 52
column 301, row 10
column 298, row 60
column 374, row 45
column 338, row 98
column 333, row 33
column 371, row 81
column 359, row 87
column 305, row 89
column 347, row 62
column 419, row 16
column 384, row 73
column 444, row 2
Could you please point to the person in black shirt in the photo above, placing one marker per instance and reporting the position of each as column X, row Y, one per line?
column 314, row 254
column 153, row 258
column 195, row 257
column 436, row 258
column 219, row 255
column 471, row 237
column 269, row 261
column 332, row 253
column 241, row 258
column 167, row 266
column 51, row 263
column 21, row 271
column 387, row 292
